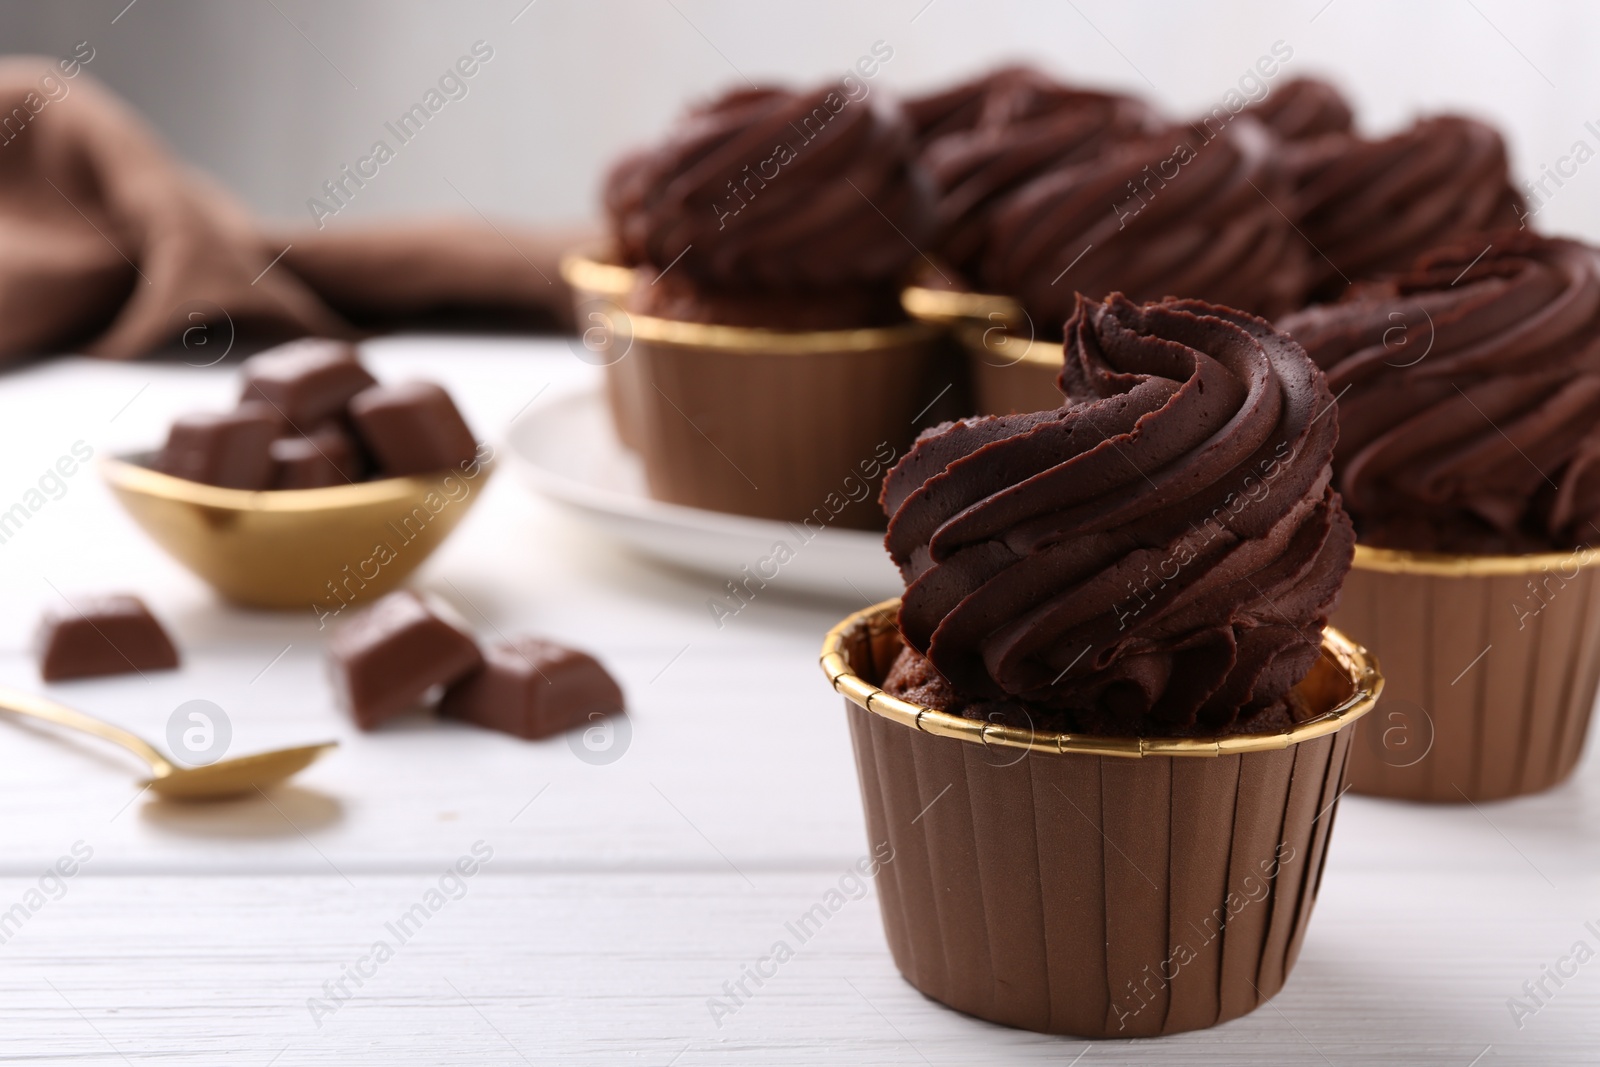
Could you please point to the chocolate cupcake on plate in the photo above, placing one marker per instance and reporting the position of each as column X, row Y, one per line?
column 986, row 138
column 1469, row 456
column 1161, row 216
column 773, row 229
column 600, row 275
column 980, row 142
column 1303, row 109
column 1191, row 212
column 1370, row 207
column 1142, row 573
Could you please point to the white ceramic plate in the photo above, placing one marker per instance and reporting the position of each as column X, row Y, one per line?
column 564, row 449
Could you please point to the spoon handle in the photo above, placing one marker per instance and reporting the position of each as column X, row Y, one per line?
column 39, row 708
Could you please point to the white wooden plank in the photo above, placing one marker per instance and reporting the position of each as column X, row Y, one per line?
column 620, row 969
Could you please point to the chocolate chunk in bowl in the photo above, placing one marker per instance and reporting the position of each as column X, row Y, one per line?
column 231, row 449
column 412, row 428
column 306, row 381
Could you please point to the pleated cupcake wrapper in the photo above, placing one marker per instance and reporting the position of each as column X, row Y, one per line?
column 793, row 426
column 1010, row 371
column 1492, row 665
column 598, row 289
column 1088, row 894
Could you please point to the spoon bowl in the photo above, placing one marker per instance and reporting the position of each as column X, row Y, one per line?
column 233, row 777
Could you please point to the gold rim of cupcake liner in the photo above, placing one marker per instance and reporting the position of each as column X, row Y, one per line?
column 981, row 339
column 955, row 305
column 758, row 341
column 1443, row 564
column 1354, row 662
column 129, row 474
column 583, row 269
column 977, row 318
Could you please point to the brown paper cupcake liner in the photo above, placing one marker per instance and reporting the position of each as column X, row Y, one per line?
column 598, row 288
column 1492, row 665
column 795, row 426
column 1053, row 883
column 1010, row 370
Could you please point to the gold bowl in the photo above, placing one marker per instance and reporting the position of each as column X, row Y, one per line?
column 315, row 549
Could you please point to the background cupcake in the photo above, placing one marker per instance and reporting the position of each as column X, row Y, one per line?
column 1370, row 207
column 1173, row 215
column 1303, row 110
column 772, row 365
column 1469, row 398
column 984, row 139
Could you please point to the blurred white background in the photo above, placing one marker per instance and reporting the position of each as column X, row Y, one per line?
column 273, row 96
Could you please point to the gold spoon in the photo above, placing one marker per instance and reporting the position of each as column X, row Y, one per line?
column 225, row 778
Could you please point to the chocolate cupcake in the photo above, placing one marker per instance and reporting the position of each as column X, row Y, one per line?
column 600, row 276
column 1371, row 207
column 982, row 140
column 773, row 229
column 1172, row 215
column 1144, row 572
column 1192, row 212
column 1303, row 109
column 1469, row 396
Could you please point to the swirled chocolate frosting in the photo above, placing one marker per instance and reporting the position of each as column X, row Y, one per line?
column 1302, row 109
column 765, row 188
column 1469, row 397
column 1174, row 216
column 1157, row 557
column 1372, row 207
column 986, row 138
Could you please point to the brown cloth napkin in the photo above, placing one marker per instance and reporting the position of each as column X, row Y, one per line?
column 111, row 246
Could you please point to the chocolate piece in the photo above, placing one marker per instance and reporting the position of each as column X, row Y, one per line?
column 307, row 381
column 228, row 448
column 326, row 456
column 113, row 634
column 534, row 688
column 412, row 428
column 389, row 656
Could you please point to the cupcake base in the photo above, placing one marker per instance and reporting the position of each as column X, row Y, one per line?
column 794, row 426
column 1492, row 664
column 1054, row 884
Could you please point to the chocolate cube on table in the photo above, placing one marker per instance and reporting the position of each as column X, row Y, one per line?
column 534, row 688
column 392, row 654
column 104, row 635
column 325, row 456
column 412, row 428
column 229, row 448
column 307, row 382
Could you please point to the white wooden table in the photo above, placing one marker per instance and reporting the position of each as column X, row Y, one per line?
column 619, row 897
